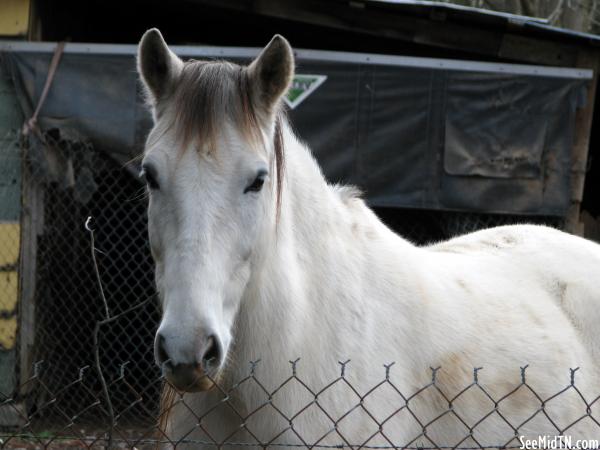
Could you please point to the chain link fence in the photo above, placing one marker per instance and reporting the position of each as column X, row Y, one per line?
column 57, row 395
column 403, row 424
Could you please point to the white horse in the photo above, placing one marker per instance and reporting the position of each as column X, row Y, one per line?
column 257, row 257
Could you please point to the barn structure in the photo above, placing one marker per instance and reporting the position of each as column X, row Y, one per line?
column 450, row 119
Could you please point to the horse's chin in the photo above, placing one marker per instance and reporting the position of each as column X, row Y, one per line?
column 204, row 385
column 191, row 381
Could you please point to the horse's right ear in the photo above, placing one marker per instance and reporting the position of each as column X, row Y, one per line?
column 157, row 65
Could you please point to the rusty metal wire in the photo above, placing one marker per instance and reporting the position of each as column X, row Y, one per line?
column 111, row 431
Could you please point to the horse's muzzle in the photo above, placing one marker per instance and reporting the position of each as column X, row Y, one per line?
column 193, row 374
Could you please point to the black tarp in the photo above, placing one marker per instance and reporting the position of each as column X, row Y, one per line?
column 410, row 135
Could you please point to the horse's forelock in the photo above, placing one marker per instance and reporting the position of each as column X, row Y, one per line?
column 209, row 93
column 204, row 97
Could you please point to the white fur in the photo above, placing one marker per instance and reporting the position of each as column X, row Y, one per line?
column 334, row 283
column 329, row 282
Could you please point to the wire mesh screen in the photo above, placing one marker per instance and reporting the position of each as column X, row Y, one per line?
column 76, row 181
column 67, row 303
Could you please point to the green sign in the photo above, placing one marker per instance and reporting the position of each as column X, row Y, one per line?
column 302, row 87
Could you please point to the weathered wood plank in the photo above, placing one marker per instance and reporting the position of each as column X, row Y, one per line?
column 32, row 223
column 589, row 59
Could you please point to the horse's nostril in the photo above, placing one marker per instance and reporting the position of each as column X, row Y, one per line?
column 212, row 352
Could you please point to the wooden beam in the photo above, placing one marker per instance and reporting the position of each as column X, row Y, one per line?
column 435, row 30
column 32, row 225
column 537, row 51
column 589, row 59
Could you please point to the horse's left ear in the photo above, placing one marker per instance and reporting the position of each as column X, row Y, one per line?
column 271, row 73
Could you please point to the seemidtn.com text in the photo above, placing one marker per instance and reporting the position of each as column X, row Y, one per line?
column 558, row 442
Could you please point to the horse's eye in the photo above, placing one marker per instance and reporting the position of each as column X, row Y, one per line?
column 147, row 174
column 258, row 182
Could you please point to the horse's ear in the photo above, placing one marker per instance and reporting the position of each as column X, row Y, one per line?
column 157, row 65
column 271, row 72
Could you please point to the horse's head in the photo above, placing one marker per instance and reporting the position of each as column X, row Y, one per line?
column 213, row 166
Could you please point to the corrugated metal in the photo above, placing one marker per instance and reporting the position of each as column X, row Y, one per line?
column 478, row 15
column 312, row 55
column 430, row 5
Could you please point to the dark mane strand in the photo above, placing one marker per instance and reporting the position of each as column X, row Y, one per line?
column 279, row 157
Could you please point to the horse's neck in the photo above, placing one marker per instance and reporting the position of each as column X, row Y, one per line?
column 315, row 266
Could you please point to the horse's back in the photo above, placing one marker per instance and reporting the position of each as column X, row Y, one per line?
column 535, row 294
column 566, row 267
column 518, row 238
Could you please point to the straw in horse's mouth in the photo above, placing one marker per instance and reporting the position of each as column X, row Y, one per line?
column 188, row 377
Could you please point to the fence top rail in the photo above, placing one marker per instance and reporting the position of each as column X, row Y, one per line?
column 314, row 55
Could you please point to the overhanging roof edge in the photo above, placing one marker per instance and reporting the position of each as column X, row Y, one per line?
column 526, row 23
column 461, row 8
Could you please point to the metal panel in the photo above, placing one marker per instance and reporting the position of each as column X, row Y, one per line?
column 314, row 55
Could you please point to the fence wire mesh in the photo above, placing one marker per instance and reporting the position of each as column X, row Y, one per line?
column 59, row 400
column 333, row 428
column 77, row 182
